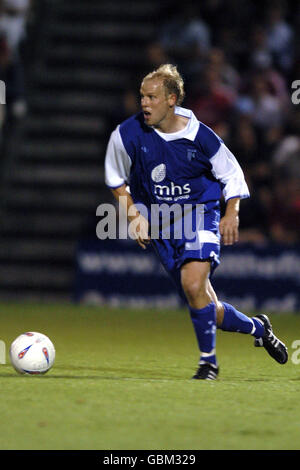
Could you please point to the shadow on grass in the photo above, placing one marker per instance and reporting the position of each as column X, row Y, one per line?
column 117, row 374
column 90, row 377
column 125, row 373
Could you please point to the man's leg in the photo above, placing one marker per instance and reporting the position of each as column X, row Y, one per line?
column 194, row 281
column 230, row 319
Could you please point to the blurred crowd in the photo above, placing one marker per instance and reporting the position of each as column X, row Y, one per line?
column 13, row 18
column 239, row 61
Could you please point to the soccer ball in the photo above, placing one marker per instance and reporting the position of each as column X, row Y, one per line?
column 32, row 353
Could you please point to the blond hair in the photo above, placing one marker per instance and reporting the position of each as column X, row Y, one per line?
column 172, row 80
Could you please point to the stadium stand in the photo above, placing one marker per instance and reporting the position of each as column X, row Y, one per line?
column 83, row 65
column 51, row 183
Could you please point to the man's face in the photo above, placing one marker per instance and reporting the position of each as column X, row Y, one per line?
column 156, row 105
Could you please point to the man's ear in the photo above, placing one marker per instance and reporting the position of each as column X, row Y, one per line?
column 172, row 99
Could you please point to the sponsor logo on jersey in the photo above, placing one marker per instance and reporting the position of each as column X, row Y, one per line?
column 172, row 190
column 164, row 191
column 158, row 173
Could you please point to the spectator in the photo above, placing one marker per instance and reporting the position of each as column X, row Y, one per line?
column 13, row 22
column 290, row 143
column 280, row 37
column 262, row 62
column 212, row 101
column 254, row 223
column 12, row 27
column 4, row 61
column 285, row 211
column 156, row 55
column 287, row 151
column 260, row 54
column 186, row 39
column 245, row 144
column 229, row 76
column 264, row 108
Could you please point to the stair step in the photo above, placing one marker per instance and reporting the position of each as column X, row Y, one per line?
column 77, row 10
column 65, row 124
column 72, row 102
column 57, row 149
column 36, row 173
column 41, row 224
column 96, row 31
column 102, row 54
column 54, row 199
column 99, row 78
column 37, row 250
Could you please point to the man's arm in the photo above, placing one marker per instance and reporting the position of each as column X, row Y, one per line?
column 117, row 171
column 229, row 224
column 227, row 170
column 138, row 224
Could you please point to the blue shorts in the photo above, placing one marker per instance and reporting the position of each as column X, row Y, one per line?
column 203, row 246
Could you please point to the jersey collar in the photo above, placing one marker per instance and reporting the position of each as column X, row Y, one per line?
column 190, row 130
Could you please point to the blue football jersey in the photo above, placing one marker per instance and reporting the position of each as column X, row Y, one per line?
column 191, row 166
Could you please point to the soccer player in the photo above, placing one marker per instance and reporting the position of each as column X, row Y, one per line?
column 164, row 155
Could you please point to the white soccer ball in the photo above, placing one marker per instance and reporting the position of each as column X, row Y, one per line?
column 32, row 353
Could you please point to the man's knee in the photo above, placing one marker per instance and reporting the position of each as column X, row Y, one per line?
column 194, row 281
column 194, row 289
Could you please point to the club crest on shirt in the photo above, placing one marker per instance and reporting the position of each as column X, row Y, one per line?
column 191, row 154
column 158, row 173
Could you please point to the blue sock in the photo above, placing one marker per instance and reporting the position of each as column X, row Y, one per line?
column 204, row 321
column 239, row 322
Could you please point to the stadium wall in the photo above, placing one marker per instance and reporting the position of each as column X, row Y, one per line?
column 251, row 277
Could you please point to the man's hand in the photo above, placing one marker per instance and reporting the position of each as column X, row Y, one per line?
column 229, row 224
column 229, row 229
column 138, row 224
column 139, row 231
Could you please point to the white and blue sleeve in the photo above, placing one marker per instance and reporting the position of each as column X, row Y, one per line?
column 226, row 169
column 117, row 161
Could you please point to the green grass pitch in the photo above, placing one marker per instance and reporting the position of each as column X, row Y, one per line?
column 121, row 380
